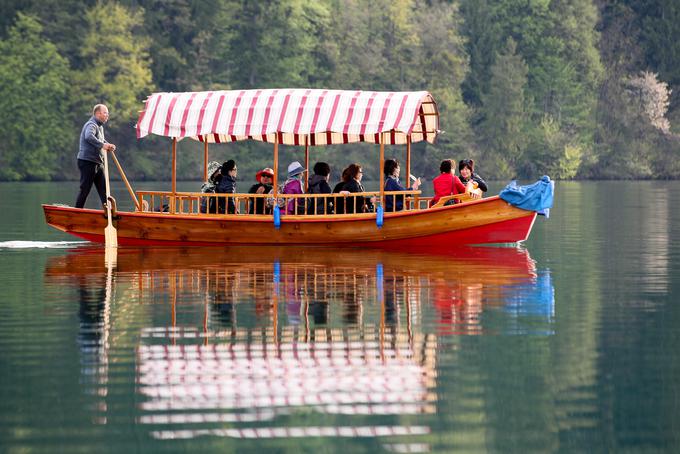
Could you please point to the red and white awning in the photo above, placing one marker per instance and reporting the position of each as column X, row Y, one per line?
column 321, row 117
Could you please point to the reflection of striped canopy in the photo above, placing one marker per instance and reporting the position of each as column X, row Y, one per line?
column 323, row 117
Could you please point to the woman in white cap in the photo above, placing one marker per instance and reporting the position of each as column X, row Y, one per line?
column 209, row 204
column 293, row 185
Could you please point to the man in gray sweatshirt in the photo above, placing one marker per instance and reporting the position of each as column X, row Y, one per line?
column 90, row 157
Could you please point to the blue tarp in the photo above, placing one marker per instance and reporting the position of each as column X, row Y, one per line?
column 533, row 197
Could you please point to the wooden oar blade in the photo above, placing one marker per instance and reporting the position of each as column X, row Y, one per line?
column 110, row 236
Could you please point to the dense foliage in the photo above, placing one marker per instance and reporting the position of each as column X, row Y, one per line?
column 571, row 88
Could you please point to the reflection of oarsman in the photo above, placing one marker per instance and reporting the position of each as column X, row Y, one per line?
column 92, row 299
column 95, row 301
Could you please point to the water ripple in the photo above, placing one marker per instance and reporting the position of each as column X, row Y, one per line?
column 18, row 244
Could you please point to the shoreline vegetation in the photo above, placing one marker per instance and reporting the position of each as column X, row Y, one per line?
column 576, row 89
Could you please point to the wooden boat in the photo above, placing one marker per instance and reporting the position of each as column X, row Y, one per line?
column 306, row 118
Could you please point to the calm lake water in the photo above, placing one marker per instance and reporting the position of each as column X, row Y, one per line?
column 567, row 343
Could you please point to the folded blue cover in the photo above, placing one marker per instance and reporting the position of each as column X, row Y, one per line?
column 532, row 197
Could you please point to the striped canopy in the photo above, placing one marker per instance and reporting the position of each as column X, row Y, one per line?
column 298, row 116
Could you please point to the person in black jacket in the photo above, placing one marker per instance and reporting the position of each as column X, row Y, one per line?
column 466, row 169
column 339, row 202
column 318, row 184
column 263, row 186
column 227, row 185
column 357, row 204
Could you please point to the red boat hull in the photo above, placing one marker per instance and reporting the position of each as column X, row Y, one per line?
column 483, row 221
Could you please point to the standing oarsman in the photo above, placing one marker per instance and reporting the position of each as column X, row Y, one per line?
column 90, row 157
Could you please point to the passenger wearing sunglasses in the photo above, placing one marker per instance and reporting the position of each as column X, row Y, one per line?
column 264, row 185
column 227, row 185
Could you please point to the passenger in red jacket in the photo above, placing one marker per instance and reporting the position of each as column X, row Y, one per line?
column 446, row 183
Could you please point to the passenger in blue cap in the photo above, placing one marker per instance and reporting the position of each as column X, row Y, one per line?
column 293, row 185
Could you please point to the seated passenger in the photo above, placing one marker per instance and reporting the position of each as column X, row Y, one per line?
column 227, row 185
column 263, row 186
column 357, row 204
column 469, row 178
column 318, row 184
column 209, row 204
column 340, row 202
column 446, row 183
column 395, row 202
column 293, row 185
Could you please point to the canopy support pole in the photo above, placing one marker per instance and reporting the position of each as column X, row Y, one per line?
column 407, row 177
column 174, row 174
column 276, row 166
column 307, row 162
column 205, row 158
column 382, row 168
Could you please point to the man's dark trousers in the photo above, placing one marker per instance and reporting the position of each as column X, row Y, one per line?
column 90, row 172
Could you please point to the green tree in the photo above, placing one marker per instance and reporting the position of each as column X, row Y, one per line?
column 60, row 19
column 34, row 82
column 182, row 31
column 8, row 12
column 484, row 40
column 440, row 65
column 633, row 138
column 557, row 39
column 406, row 45
column 504, row 113
column 117, row 70
column 659, row 22
column 269, row 43
column 560, row 155
column 355, row 48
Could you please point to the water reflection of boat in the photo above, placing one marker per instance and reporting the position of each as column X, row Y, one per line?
column 479, row 264
column 256, row 335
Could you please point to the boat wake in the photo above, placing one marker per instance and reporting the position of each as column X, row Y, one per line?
column 39, row 244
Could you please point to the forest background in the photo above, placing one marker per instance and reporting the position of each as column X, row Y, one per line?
column 576, row 89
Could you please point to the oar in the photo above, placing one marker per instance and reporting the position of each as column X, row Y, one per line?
column 127, row 183
column 110, row 234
